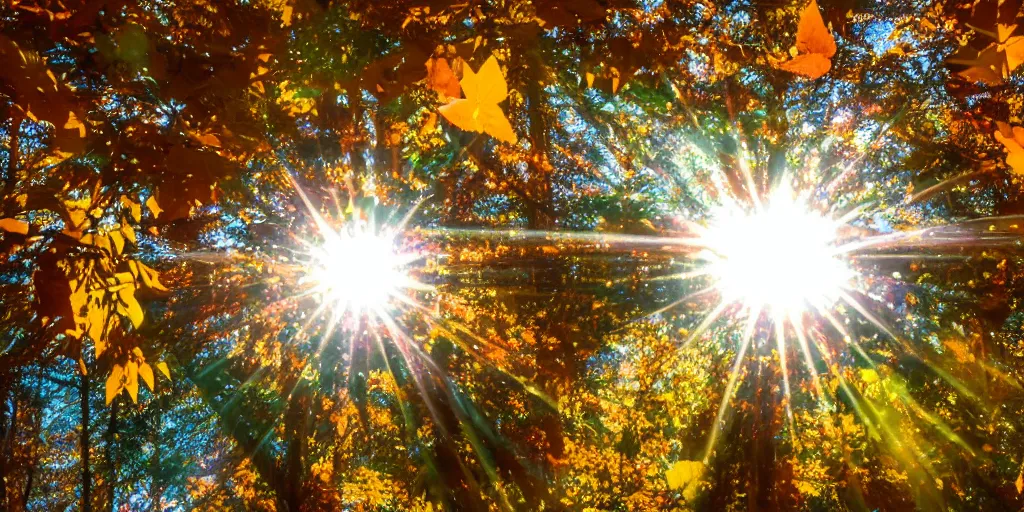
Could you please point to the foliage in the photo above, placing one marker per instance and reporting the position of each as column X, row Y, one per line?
column 150, row 155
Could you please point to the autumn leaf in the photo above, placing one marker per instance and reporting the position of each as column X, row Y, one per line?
column 74, row 123
column 14, row 226
column 146, row 372
column 1013, row 140
column 149, row 277
column 97, row 322
column 815, row 45
column 208, row 139
column 131, row 382
column 869, row 375
column 129, row 233
column 129, row 305
column 995, row 62
column 162, row 366
column 114, row 382
column 133, row 207
column 442, row 79
column 154, row 208
column 685, row 475
column 118, row 239
column 479, row 111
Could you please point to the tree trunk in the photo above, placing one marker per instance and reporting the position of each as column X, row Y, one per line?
column 13, row 160
column 83, row 441
column 110, row 456
column 7, row 424
column 295, row 425
column 156, row 486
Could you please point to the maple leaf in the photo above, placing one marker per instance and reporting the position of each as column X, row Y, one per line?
column 1013, row 141
column 479, row 111
column 442, row 79
column 996, row 61
column 815, row 45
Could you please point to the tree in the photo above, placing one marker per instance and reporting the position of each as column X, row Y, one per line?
column 164, row 162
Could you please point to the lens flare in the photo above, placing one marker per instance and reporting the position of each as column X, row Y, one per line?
column 359, row 269
column 780, row 257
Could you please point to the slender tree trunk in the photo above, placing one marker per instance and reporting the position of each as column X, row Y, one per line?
column 29, row 482
column 295, row 421
column 156, row 488
column 110, row 455
column 83, row 442
column 6, row 427
column 13, row 161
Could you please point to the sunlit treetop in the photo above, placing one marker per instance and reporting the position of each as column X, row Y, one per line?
column 681, row 254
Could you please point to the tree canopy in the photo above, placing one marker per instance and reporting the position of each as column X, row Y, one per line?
column 181, row 329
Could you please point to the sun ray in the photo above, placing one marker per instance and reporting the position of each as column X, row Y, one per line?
column 730, row 388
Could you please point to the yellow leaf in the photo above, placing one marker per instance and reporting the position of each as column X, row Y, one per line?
column 102, row 241
column 118, row 239
column 1014, row 49
column 162, row 366
column 1013, row 140
column 73, row 123
column 286, row 15
column 479, row 111
column 129, row 233
column 149, row 277
column 78, row 218
column 815, row 45
column 590, row 79
column 153, row 207
column 429, row 124
column 97, row 320
column 1020, row 483
column 869, row 376
column 131, row 382
column 114, row 383
column 683, row 473
column 131, row 307
column 14, row 226
column 146, row 372
column 133, row 207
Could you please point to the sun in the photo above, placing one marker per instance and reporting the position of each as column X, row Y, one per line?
column 359, row 268
column 781, row 256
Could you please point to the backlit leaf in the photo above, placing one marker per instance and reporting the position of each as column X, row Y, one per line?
column 815, row 45
column 131, row 381
column 162, row 366
column 14, row 226
column 146, row 373
column 114, row 382
column 479, row 111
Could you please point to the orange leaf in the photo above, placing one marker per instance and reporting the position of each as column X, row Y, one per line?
column 73, row 123
column 153, row 207
column 479, row 111
column 14, row 226
column 1013, row 140
column 815, row 45
column 442, row 79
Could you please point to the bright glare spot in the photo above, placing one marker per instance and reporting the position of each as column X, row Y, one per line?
column 359, row 270
column 781, row 256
